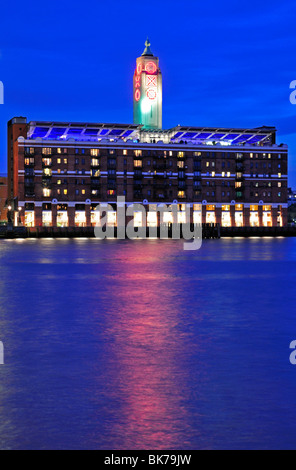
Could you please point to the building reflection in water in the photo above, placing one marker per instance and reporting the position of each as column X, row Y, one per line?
column 146, row 373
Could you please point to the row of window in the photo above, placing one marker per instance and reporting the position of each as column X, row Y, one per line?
column 94, row 152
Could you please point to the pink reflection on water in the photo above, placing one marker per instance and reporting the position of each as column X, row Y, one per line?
column 146, row 357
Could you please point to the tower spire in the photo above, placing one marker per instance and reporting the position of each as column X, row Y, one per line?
column 147, row 51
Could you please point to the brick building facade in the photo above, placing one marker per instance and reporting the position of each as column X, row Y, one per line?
column 3, row 198
column 59, row 172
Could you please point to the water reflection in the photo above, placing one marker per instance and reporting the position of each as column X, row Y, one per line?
column 145, row 351
column 126, row 345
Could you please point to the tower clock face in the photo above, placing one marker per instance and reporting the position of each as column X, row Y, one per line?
column 151, row 94
column 151, row 67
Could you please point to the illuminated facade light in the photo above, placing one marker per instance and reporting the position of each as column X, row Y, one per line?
column 148, row 91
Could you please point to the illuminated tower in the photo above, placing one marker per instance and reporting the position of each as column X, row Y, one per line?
column 148, row 90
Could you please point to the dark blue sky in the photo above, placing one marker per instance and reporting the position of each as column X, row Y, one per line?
column 224, row 63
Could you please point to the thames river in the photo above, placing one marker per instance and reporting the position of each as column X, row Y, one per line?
column 142, row 345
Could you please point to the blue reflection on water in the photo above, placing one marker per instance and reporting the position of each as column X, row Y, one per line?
column 140, row 345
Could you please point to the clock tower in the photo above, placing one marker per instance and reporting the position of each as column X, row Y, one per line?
column 148, row 90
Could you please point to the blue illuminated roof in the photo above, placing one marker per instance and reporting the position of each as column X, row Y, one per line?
column 242, row 138
column 204, row 135
column 224, row 136
column 116, row 132
column 80, row 131
column 104, row 131
column 74, row 131
column 93, row 132
column 189, row 135
column 40, row 132
column 127, row 133
column 257, row 138
column 56, row 132
column 231, row 136
column 178, row 135
column 217, row 136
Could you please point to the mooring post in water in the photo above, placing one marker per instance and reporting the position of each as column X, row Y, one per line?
column 1, row 353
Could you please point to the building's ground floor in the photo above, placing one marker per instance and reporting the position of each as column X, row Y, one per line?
column 86, row 215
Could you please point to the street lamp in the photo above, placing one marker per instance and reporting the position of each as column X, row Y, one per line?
column 19, row 211
column 9, row 214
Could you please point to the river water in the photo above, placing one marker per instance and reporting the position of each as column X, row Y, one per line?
column 142, row 345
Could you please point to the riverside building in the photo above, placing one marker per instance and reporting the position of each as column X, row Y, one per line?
column 58, row 172
column 3, row 197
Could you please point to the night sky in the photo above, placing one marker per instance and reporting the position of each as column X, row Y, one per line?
column 224, row 63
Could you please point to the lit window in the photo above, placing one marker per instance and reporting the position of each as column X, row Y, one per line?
column 279, row 175
column 226, row 217
column 138, row 219
column 46, row 218
column 111, row 218
column 83, row 191
column 181, row 194
column 182, row 217
column 59, row 161
column 211, row 216
column 29, row 161
column 181, row 164
column 213, row 174
column 94, row 152
column 46, row 151
column 80, row 219
column 125, row 152
column 46, row 192
column 59, row 181
column 180, row 154
column 46, row 161
column 65, row 191
column 138, row 153
column 59, row 150
column 62, row 218
column 65, row 161
column 138, row 163
column 94, row 162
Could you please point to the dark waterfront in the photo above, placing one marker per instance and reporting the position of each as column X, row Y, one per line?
column 141, row 345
